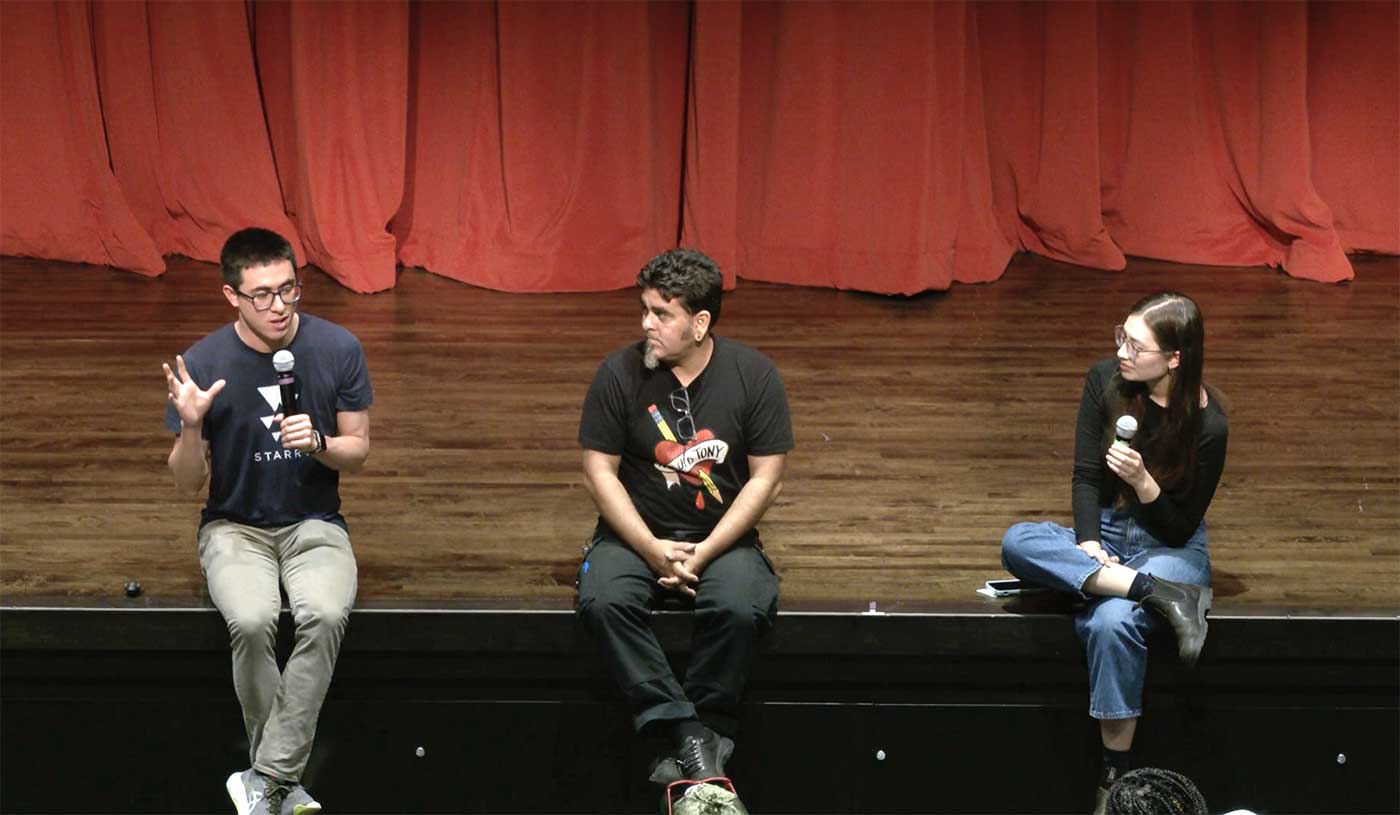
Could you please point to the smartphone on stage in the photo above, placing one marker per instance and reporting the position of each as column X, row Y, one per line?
column 1006, row 588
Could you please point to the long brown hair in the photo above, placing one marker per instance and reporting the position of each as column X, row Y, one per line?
column 1169, row 451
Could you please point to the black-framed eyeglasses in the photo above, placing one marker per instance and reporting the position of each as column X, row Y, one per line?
column 289, row 294
column 1121, row 339
column 680, row 403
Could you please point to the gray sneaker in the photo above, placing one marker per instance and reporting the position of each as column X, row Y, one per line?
column 299, row 802
column 274, row 797
column 246, row 789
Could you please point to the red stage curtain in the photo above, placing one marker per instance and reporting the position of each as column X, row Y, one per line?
column 349, row 111
column 185, row 126
column 1040, row 66
column 335, row 83
column 889, row 147
column 546, row 142
column 861, row 145
column 58, row 197
column 710, row 195
column 1354, row 118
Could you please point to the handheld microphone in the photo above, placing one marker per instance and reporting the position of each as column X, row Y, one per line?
column 287, row 381
column 1123, row 431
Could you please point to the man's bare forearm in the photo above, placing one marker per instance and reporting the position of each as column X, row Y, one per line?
column 617, row 509
column 346, row 454
column 189, row 462
column 748, row 509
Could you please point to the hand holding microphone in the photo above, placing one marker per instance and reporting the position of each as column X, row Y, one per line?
column 297, row 432
column 1124, row 461
column 283, row 362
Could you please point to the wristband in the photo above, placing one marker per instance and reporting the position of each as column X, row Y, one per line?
column 320, row 442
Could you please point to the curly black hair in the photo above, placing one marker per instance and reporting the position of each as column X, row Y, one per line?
column 1150, row 791
column 688, row 274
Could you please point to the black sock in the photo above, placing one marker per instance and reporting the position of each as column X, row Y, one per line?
column 1115, row 763
column 685, row 728
column 1142, row 586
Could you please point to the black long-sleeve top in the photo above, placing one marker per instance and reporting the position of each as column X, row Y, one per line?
column 1175, row 515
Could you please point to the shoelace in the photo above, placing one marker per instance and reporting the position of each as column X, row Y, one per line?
column 691, row 755
column 275, row 794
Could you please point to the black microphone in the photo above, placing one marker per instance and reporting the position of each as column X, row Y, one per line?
column 287, row 381
column 1123, row 430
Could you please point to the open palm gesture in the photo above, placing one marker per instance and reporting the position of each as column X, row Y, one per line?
column 190, row 401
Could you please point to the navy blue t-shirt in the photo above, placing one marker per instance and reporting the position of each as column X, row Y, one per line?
column 682, row 486
column 252, row 479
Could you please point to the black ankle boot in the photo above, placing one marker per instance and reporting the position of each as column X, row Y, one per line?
column 1184, row 605
column 1107, row 779
column 703, row 757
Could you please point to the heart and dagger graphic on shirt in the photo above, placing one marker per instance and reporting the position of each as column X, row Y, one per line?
column 690, row 461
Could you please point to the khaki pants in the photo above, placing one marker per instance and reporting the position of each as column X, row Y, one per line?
column 244, row 566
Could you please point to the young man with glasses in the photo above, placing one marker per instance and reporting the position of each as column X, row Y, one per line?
column 273, row 513
column 685, row 436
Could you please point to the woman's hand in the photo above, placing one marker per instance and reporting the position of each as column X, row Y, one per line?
column 1126, row 463
column 1096, row 551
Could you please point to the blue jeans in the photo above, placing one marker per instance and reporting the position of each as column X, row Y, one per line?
column 1114, row 630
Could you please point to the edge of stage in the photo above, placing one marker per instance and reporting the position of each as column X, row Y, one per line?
column 912, row 710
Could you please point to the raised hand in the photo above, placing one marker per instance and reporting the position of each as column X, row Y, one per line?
column 191, row 403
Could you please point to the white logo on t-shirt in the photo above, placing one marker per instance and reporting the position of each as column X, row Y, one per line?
column 273, row 395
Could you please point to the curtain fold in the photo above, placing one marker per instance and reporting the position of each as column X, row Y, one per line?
column 710, row 197
column 886, row 147
column 862, row 159
column 1040, row 79
column 546, row 142
column 58, row 196
column 342, row 105
column 193, row 171
column 1253, row 88
column 1354, row 119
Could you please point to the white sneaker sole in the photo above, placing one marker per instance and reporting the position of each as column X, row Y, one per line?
column 238, row 793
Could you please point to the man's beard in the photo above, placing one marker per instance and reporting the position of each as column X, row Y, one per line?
column 649, row 358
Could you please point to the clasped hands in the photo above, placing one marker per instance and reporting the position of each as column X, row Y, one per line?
column 678, row 565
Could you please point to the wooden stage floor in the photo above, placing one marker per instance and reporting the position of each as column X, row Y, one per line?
column 925, row 426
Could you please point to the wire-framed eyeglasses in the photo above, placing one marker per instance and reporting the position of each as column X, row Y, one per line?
column 680, row 403
column 289, row 294
column 1122, row 340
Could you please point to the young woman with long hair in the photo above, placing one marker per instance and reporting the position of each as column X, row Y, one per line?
column 1137, row 551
